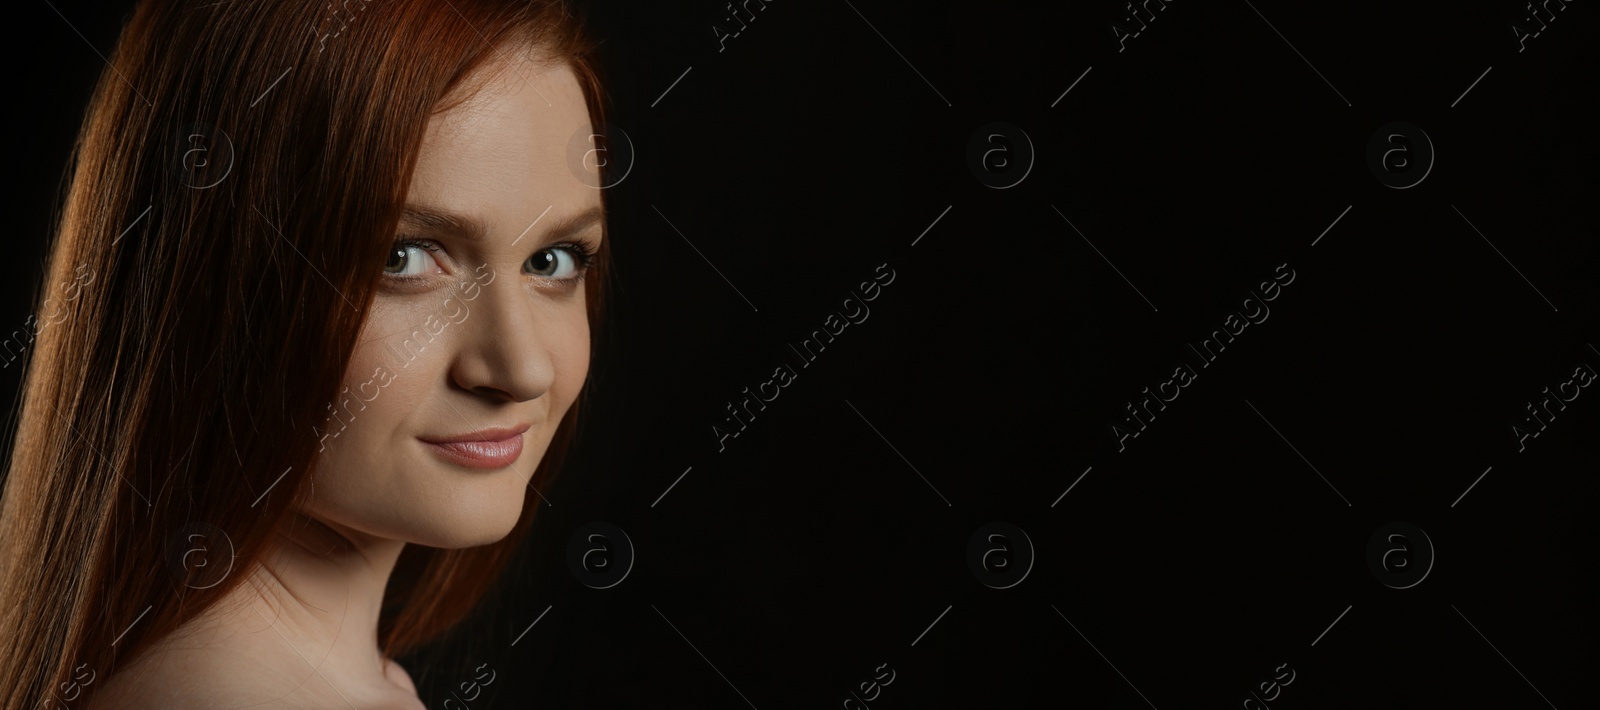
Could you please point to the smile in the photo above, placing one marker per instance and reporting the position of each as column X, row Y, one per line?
column 479, row 454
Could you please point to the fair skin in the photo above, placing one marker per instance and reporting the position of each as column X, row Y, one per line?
column 509, row 349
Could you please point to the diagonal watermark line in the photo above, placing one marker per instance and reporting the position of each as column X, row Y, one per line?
column 1296, row 51
column 269, row 86
column 1503, row 256
column 1297, row 452
column 130, row 626
column 102, row 456
column 669, row 88
column 1069, row 88
column 530, row 225
column 1108, row 261
column 303, row 256
column 130, row 226
column 930, row 227
column 930, row 626
column 1474, row 83
column 1335, row 622
column 1503, row 656
column 674, row 485
column 1474, row 485
column 269, row 488
column 536, row 488
column 702, row 656
column 1074, row 485
column 318, row 671
column 1102, row 655
column 703, row 256
column 530, row 626
column 896, row 51
column 897, row 452
column 98, row 54
column 1330, row 227
column 517, row 68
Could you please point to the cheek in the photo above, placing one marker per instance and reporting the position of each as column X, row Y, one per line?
column 388, row 376
column 570, row 351
column 384, row 383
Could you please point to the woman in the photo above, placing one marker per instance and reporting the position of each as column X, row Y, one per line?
column 335, row 278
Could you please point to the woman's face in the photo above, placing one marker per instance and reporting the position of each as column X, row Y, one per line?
column 480, row 323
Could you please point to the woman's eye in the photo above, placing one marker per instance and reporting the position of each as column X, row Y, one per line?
column 409, row 259
column 555, row 263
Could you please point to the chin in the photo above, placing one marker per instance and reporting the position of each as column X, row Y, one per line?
column 459, row 542
column 469, row 524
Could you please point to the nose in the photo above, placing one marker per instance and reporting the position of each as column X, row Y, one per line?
column 502, row 354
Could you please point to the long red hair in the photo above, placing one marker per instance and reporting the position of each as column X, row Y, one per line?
column 174, row 386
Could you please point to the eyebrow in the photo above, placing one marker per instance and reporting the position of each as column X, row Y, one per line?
column 473, row 229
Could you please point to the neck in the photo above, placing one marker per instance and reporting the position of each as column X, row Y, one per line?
column 310, row 607
column 312, row 604
column 323, row 589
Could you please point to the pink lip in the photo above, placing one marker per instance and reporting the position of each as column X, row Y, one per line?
column 488, row 448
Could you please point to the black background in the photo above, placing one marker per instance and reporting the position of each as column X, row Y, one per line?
column 1180, row 572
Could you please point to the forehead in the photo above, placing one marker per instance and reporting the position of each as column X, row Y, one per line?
column 505, row 147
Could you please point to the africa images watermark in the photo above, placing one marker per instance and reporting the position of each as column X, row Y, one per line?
column 470, row 689
column 69, row 690
column 1253, row 311
column 1582, row 375
column 414, row 343
column 15, row 345
column 1123, row 35
column 855, row 312
column 869, row 690
column 733, row 14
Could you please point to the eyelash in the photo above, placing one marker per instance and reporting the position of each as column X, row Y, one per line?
column 584, row 254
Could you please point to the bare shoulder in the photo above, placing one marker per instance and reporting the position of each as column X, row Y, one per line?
column 398, row 675
column 149, row 682
column 175, row 686
column 180, row 681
